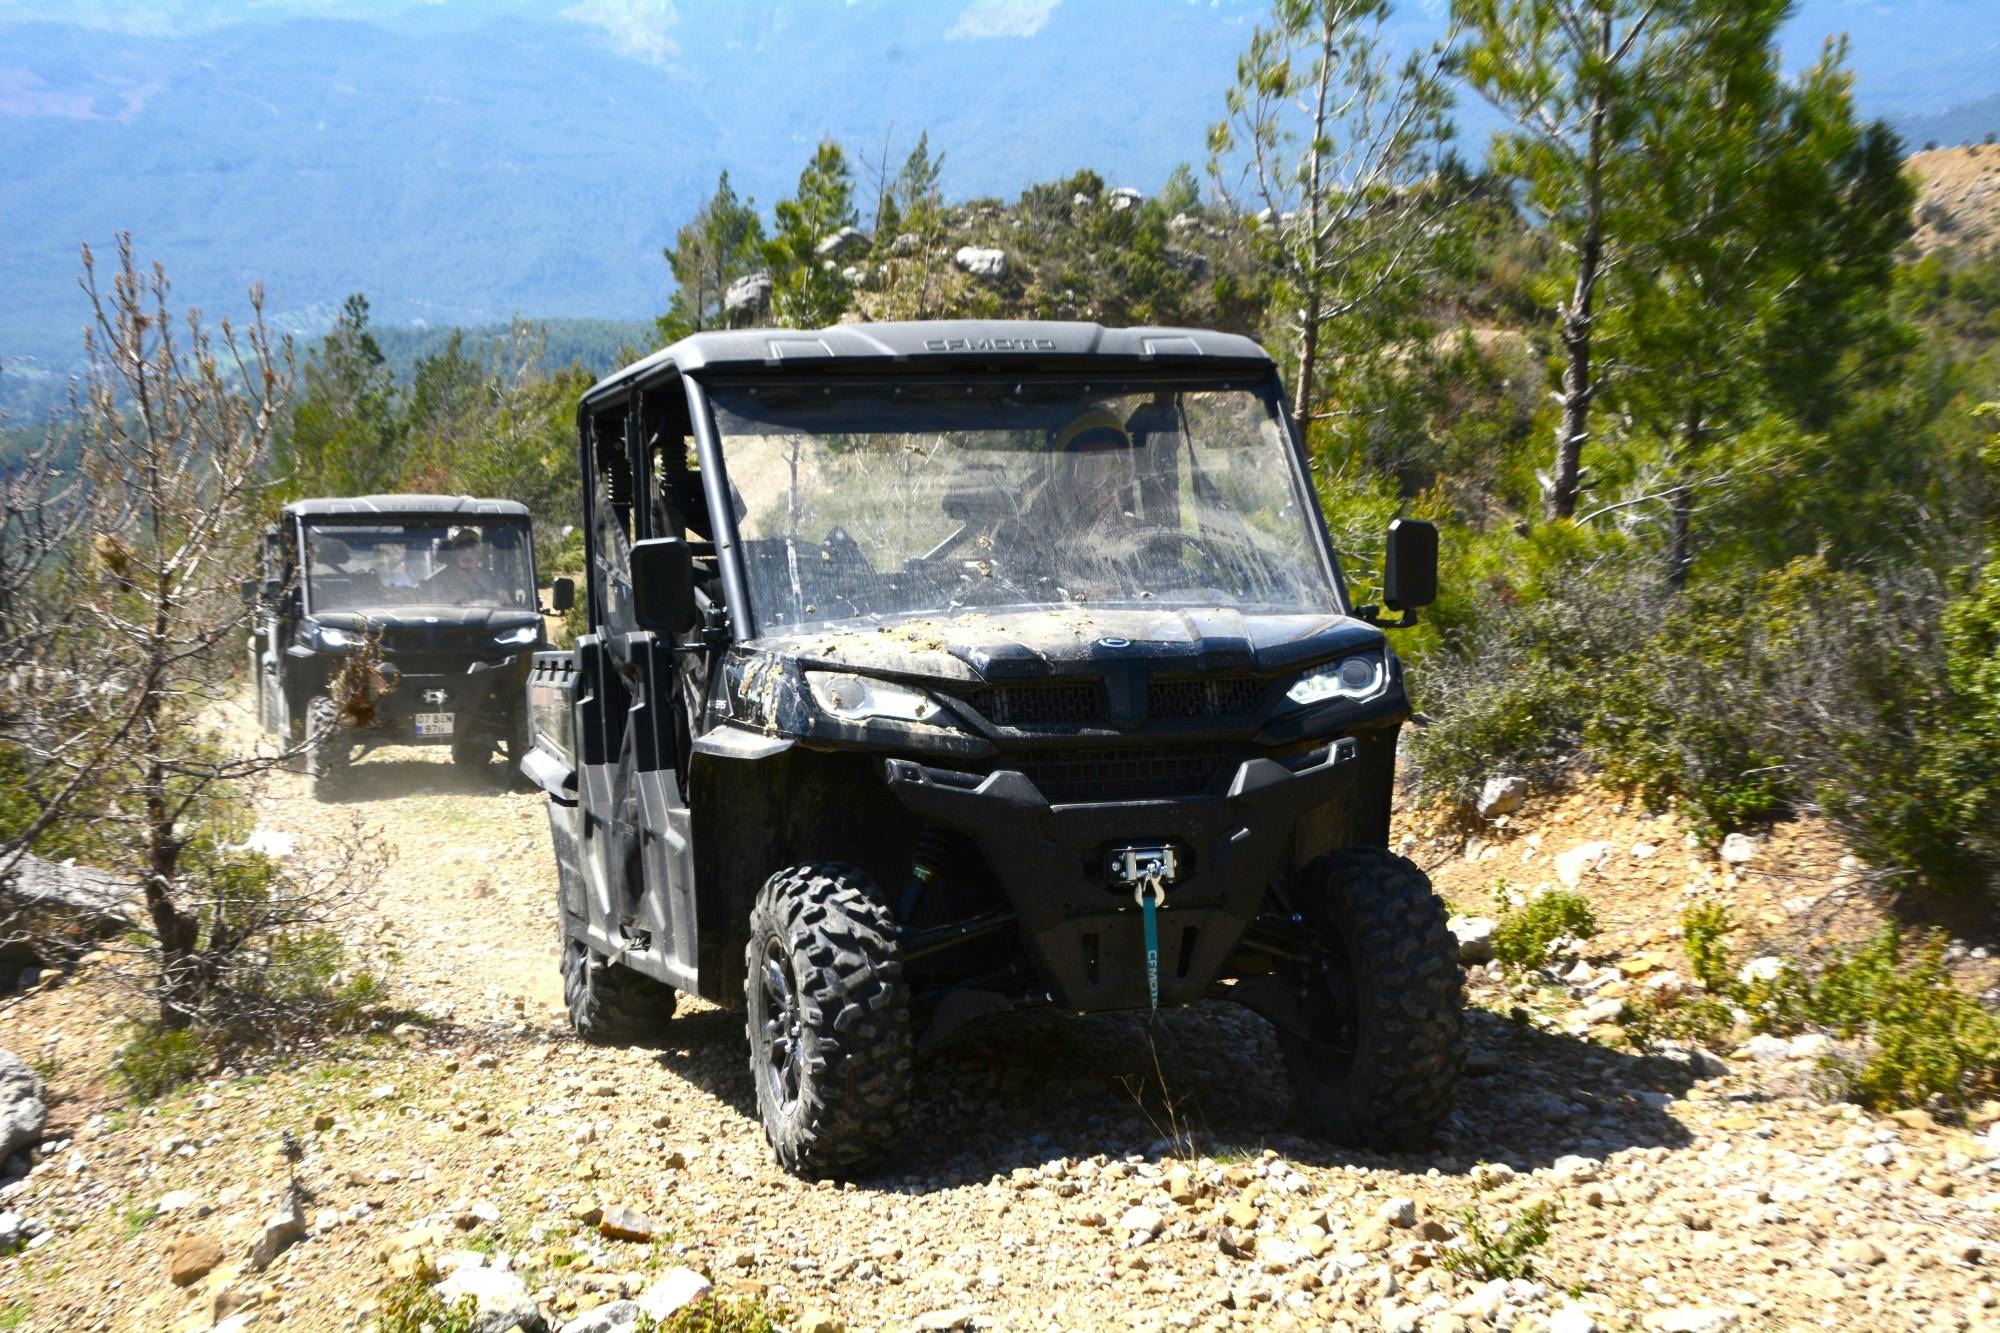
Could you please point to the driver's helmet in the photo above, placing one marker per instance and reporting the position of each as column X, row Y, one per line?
column 1093, row 450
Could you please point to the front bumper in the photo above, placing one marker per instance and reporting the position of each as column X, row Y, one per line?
column 477, row 699
column 1086, row 934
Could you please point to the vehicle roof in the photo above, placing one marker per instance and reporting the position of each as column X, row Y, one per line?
column 353, row 506
column 938, row 341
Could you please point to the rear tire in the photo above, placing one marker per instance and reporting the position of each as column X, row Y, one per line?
column 1378, row 1062
column 828, row 1020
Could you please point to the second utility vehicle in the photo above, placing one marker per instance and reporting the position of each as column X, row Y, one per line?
column 397, row 620
column 937, row 669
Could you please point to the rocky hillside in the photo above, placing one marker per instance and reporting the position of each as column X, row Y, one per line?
column 1050, row 1179
column 1960, row 200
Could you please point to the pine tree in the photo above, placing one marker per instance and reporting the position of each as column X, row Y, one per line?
column 1335, row 144
column 807, row 291
column 1581, row 80
column 346, row 435
column 1766, row 201
column 719, row 246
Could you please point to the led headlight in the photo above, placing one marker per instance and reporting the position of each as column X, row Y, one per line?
column 333, row 637
column 1360, row 677
column 857, row 698
column 519, row 635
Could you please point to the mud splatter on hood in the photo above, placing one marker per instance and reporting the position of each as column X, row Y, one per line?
column 1017, row 645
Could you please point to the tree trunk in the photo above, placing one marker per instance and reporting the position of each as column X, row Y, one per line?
column 1578, row 386
column 1302, row 395
column 1578, row 389
column 1680, row 500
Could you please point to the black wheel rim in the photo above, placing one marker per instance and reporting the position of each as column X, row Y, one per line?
column 784, row 1026
column 1330, row 995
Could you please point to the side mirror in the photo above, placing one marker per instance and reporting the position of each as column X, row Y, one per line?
column 663, row 586
column 1410, row 567
column 562, row 595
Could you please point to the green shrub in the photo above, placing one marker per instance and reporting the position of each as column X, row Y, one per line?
column 1926, row 1038
column 1507, row 1255
column 1703, row 1021
column 1705, row 929
column 1680, row 715
column 1514, row 689
column 306, row 973
column 1522, row 937
column 410, row 1306
column 712, row 1314
column 155, row 1060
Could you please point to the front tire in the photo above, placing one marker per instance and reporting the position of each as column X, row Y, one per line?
column 1377, row 1063
column 329, row 751
column 828, row 1019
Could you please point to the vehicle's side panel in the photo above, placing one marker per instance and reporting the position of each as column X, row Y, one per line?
column 634, row 845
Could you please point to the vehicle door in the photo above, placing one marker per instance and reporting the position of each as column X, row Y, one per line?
column 631, row 719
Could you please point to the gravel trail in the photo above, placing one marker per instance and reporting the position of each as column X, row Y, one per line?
column 1050, row 1179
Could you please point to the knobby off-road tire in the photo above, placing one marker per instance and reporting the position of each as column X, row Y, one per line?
column 609, row 1004
column 1379, row 1061
column 475, row 754
column 328, row 748
column 828, row 1018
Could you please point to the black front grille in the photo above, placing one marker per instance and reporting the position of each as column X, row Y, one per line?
column 1203, row 696
column 1145, row 773
column 1053, row 703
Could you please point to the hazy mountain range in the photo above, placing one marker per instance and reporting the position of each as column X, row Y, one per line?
column 465, row 162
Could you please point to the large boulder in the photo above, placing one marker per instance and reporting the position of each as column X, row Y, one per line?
column 1123, row 198
column 1501, row 796
column 23, row 1113
column 747, row 298
column 677, row 1288
column 500, row 1300
column 1475, row 937
column 981, row 262
column 63, row 898
column 844, row 244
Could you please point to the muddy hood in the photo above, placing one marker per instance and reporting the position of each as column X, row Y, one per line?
column 1022, row 645
column 429, row 618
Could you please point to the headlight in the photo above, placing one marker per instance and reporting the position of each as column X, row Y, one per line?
column 1360, row 677
column 519, row 635
column 857, row 698
column 334, row 638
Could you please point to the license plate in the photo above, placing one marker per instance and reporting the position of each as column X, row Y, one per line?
column 434, row 724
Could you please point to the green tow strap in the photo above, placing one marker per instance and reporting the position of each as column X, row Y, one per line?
column 1149, row 896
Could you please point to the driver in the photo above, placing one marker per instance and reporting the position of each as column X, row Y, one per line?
column 1088, row 476
column 464, row 579
column 1076, row 531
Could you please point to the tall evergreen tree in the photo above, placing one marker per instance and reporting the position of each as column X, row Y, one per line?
column 1581, row 80
column 719, row 246
column 346, row 434
column 1334, row 144
column 808, row 291
column 1765, row 200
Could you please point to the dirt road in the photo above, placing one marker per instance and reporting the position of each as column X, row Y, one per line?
column 1039, row 1189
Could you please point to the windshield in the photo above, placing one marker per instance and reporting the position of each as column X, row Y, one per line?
column 433, row 562
column 891, row 500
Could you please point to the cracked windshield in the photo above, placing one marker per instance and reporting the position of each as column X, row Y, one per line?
column 948, row 498
column 378, row 566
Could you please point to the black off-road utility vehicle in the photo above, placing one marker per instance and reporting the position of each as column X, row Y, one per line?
column 934, row 669
column 397, row 620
